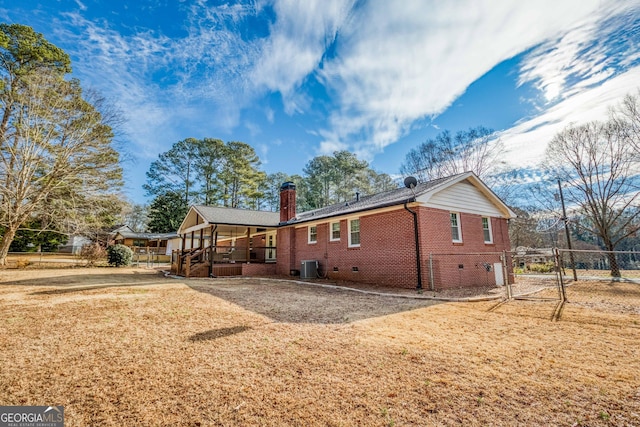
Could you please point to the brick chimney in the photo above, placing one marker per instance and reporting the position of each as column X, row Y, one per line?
column 287, row 201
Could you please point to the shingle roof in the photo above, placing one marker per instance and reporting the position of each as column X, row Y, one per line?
column 231, row 216
column 375, row 201
column 148, row 236
column 397, row 196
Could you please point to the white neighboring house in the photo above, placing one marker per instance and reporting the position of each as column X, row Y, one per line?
column 74, row 245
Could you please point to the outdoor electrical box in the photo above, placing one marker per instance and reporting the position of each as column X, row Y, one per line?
column 309, row 269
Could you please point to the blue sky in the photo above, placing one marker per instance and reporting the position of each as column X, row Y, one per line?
column 297, row 79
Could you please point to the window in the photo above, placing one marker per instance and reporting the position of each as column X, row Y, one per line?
column 335, row 231
column 486, row 229
column 456, row 230
column 313, row 234
column 354, row 232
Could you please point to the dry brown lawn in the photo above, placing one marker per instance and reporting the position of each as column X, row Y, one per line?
column 129, row 347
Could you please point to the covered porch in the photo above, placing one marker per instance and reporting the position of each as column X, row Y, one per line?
column 225, row 242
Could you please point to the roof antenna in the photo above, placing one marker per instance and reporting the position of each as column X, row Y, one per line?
column 410, row 182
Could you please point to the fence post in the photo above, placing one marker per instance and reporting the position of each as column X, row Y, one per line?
column 505, row 273
column 432, row 286
column 563, row 294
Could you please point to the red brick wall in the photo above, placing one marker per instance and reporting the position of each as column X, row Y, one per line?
column 258, row 269
column 386, row 255
column 470, row 267
column 285, row 252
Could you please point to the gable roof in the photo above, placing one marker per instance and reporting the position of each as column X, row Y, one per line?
column 364, row 203
column 398, row 196
column 232, row 217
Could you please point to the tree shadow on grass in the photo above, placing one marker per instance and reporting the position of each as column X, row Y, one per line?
column 214, row 334
column 55, row 282
column 290, row 302
column 73, row 289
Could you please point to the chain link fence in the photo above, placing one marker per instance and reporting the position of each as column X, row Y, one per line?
column 480, row 271
column 597, row 280
column 601, row 280
column 496, row 273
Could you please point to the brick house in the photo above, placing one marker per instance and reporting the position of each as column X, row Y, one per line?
column 387, row 238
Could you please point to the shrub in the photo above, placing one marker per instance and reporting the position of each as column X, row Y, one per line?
column 547, row 267
column 119, row 255
column 92, row 253
column 23, row 263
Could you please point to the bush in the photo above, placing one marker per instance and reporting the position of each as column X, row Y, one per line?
column 23, row 263
column 119, row 255
column 547, row 267
column 92, row 253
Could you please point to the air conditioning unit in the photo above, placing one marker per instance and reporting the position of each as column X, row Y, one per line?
column 309, row 269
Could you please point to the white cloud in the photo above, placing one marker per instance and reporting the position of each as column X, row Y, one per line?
column 581, row 53
column 81, row 5
column 399, row 64
column 526, row 142
column 384, row 65
column 296, row 45
column 117, row 66
column 161, row 82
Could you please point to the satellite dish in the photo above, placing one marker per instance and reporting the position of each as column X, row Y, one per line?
column 410, row 182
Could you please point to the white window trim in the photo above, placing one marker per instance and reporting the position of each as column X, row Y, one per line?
column 331, row 239
column 311, row 242
column 459, row 224
column 356, row 245
column 490, row 241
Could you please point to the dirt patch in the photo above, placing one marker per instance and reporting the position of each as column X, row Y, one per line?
column 129, row 347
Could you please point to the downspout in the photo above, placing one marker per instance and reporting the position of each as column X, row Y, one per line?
column 417, row 240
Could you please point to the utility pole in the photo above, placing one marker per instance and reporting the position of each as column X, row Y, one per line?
column 566, row 230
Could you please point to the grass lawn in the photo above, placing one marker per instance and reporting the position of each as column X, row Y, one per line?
column 129, row 347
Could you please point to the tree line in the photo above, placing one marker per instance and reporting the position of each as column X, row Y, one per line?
column 214, row 173
column 60, row 170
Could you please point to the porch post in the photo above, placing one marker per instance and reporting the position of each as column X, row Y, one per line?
column 247, row 251
column 211, row 249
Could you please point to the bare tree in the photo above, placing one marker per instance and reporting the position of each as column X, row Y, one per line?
column 135, row 216
column 475, row 149
column 599, row 168
column 627, row 118
column 57, row 163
